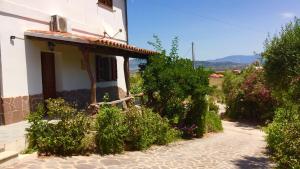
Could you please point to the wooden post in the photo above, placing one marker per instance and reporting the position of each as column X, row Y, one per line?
column 87, row 65
column 127, row 74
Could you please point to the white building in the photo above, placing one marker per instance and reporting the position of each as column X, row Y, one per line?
column 62, row 48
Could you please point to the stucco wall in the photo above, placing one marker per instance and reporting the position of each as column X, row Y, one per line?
column 68, row 69
column 85, row 15
column 21, row 64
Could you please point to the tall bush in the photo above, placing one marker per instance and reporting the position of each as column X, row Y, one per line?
column 282, row 71
column 111, row 130
column 175, row 89
column 248, row 97
column 282, row 58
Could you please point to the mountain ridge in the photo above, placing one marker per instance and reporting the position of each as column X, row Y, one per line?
column 220, row 64
column 243, row 59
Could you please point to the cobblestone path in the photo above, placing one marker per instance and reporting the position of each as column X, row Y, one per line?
column 239, row 146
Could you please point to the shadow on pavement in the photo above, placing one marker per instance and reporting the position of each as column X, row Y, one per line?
column 252, row 163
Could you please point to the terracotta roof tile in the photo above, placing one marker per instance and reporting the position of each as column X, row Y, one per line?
column 90, row 40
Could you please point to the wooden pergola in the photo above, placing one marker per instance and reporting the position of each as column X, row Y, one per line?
column 87, row 45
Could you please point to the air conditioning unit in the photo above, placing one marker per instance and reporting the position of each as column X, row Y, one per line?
column 58, row 24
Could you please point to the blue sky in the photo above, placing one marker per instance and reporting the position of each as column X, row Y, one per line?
column 218, row 27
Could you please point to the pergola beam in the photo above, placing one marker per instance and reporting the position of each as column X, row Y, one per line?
column 127, row 74
column 87, row 65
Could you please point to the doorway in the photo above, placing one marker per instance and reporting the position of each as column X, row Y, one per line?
column 48, row 75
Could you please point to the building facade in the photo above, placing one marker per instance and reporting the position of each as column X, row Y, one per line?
column 84, row 48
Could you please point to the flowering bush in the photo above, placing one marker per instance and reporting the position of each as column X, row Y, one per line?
column 247, row 96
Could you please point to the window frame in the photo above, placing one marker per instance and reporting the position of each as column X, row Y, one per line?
column 108, row 4
column 111, row 69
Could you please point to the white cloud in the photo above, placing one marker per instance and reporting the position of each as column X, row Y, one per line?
column 287, row 15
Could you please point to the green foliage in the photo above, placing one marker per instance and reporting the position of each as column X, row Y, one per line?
column 62, row 136
column 146, row 128
column 111, row 130
column 212, row 105
column 247, row 96
column 136, row 129
column 284, row 137
column 174, row 88
column 213, row 122
column 136, row 83
column 282, row 71
column 282, row 59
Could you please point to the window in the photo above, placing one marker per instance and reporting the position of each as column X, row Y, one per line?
column 107, row 3
column 106, row 69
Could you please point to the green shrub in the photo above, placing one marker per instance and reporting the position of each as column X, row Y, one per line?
column 169, row 81
column 111, row 130
column 283, row 137
column 213, row 122
column 136, row 83
column 88, row 144
column 146, row 128
column 282, row 71
column 212, row 105
column 37, row 127
column 282, row 58
column 63, row 131
column 248, row 98
column 165, row 133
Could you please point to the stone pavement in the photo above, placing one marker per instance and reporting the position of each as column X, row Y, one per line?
column 12, row 137
column 239, row 146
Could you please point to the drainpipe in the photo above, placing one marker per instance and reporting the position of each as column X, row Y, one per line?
column 126, row 21
column 126, row 59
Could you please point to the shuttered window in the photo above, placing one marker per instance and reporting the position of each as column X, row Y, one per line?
column 106, row 69
column 108, row 3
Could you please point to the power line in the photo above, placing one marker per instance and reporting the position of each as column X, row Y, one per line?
column 188, row 51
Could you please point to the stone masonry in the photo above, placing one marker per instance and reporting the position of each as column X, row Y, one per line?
column 15, row 109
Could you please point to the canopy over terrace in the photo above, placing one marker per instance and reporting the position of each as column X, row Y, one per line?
column 96, row 44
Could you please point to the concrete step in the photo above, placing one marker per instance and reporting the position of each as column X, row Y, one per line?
column 7, row 155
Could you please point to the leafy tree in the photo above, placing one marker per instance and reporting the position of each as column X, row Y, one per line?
column 282, row 62
column 174, row 88
column 282, row 71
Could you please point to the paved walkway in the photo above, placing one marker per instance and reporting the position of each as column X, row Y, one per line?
column 239, row 146
column 12, row 137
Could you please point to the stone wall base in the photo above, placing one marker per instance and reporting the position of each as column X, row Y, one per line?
column 81, row 97
column 15, row 109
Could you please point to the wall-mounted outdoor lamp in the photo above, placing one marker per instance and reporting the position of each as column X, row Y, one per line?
column 51, row 46
column 12, row 38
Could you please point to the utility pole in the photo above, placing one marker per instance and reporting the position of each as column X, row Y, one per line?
column 193, row 55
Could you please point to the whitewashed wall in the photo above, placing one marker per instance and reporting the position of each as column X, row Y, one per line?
column 21, row 64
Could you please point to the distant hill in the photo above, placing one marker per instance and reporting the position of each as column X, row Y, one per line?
column 243, row 59
column 134, row 64
column 221, row 64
